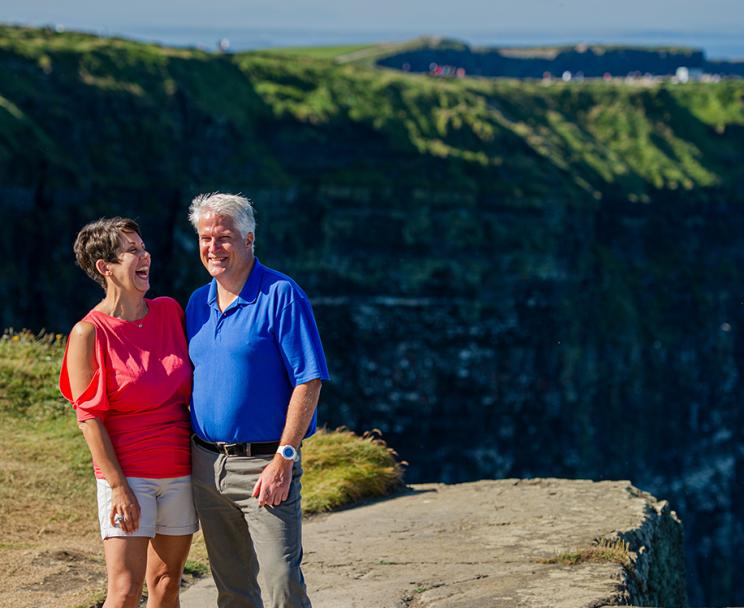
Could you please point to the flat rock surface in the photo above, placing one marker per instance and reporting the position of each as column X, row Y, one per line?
column 465, row 546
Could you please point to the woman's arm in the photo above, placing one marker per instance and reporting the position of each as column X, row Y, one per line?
column 82, row 366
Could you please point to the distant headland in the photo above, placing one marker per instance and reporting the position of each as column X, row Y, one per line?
column 454, row 58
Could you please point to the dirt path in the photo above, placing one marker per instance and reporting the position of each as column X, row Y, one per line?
column 466, row 546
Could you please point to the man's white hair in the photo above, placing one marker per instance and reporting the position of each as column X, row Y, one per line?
column 238, row 207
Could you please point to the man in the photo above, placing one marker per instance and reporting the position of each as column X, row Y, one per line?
column 258, row 367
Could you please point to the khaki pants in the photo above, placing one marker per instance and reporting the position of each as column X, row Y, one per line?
column 243, row 539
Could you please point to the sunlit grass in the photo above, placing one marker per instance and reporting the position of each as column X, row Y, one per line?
column 321, row 52
column 342, row 468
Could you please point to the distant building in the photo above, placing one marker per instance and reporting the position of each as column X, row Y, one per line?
column 446, row 71
column 685, row 74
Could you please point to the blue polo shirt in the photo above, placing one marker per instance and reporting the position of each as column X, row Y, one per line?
column 248, row 358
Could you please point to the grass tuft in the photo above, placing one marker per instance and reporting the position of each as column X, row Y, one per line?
column 342, row 468
column 195, row 568
column 614, row 550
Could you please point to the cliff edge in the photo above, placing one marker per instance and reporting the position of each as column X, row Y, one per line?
column 502, row 543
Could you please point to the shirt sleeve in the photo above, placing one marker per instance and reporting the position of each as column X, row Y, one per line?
column 93, row 401
column 173, row 306
column 299, row 343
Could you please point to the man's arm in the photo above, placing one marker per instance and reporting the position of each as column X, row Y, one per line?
column 272, row 487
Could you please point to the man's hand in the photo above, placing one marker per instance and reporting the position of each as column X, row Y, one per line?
column 272, row 487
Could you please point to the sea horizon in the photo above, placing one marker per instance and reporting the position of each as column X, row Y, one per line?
column 718, row 45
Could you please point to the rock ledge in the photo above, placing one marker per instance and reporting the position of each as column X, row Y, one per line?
column 479, row 545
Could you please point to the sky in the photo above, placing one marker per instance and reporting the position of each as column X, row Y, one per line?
column 553, row 20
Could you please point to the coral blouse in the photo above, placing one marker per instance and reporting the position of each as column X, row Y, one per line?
column 141, row 390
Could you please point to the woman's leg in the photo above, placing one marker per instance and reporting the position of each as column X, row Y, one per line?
column 166, row 557
column 126, row 558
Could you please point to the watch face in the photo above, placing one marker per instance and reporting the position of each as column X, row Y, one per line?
column 288, row 452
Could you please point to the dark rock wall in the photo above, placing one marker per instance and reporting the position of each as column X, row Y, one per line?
column 655, row 574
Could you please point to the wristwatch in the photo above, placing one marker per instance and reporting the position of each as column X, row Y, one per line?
column 288, row 452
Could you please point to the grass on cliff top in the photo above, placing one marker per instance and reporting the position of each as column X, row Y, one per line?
column 613, row 550
column 522, row 142
column 47, row 492
column 320, row 52
column 603, row 136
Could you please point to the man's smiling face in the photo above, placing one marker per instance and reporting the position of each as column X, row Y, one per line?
column 224, row 252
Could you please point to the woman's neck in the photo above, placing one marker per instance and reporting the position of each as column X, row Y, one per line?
column 122, row 305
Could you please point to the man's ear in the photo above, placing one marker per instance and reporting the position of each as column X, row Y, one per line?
column 249, row 239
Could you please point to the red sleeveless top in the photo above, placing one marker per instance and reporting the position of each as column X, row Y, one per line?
column 141, row 390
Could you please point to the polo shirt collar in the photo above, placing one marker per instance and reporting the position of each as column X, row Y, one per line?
column 247, row 295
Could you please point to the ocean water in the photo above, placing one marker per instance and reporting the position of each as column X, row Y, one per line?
column 717, row 45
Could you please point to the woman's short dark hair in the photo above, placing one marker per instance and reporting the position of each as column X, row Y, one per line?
column 99, row 240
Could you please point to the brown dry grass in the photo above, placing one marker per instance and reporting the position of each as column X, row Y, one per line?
column 50, row 553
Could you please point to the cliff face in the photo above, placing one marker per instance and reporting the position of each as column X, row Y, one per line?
column 656, row 576
column 510, row 279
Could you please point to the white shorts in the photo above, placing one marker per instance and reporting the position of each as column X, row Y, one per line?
column 166, row 507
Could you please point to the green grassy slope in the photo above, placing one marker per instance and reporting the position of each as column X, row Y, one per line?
column 75, row 100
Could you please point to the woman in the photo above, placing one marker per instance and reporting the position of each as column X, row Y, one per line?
column 127, row 374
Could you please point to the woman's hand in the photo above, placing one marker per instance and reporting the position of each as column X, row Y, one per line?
column 125, row 510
